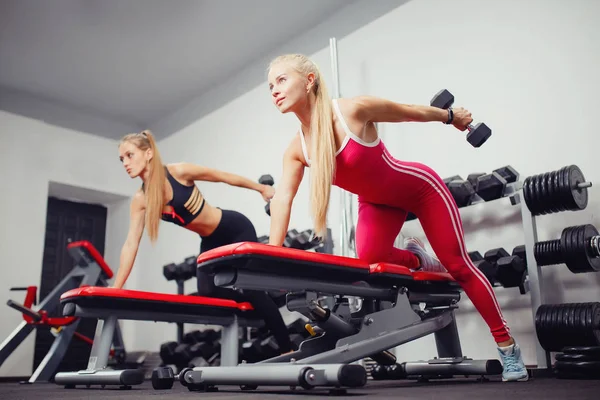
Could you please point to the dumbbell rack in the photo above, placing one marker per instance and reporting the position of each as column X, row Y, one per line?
column 533, row 283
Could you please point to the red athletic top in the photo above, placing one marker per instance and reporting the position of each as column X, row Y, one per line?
column 369, row 171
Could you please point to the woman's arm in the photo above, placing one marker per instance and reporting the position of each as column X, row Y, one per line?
column 281, row 204
column 132, row 243
column 376, row 109
column 193, row 172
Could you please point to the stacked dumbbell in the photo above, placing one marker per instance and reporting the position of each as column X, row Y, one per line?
column 180, row 272
column 578, row 248
column 261, row 344
column 479, row 187
column 197, row 348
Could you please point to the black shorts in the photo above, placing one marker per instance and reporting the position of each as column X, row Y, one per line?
column 234, row 227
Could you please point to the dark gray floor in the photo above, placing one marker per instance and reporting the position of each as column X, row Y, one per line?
column 539, row 388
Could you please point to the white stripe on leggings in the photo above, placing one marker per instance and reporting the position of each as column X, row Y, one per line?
column 454, row 215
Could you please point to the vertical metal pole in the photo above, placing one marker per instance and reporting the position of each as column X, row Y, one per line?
column 346, row 224
column 534, row 278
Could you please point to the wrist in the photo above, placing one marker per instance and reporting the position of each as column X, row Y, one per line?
column 449, row 116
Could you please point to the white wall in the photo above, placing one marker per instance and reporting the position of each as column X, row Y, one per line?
column 526, row 69
column 32, row 155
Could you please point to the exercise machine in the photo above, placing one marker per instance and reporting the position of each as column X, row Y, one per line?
column 396, row 307
column 89, row 269
column 109, row 305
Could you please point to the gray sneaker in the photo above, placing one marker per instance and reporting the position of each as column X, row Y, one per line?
column 429, row 262
column 514, row 367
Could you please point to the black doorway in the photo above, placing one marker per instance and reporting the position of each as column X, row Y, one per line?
column 67, row 220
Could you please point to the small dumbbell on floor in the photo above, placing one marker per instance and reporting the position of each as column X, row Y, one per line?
column 478, row 134
column 267, row 180
column 163, row 377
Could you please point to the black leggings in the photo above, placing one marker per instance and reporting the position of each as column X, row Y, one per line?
column 235, row 227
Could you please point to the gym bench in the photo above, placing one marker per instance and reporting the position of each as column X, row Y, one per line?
column 109, row 305
column 396, row 307
column 90, row 269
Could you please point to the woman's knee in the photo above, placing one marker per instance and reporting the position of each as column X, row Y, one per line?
column 372, row 254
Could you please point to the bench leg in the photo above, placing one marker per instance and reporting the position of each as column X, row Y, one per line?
column 230, row 344
column 96, row 372
column 447, row 340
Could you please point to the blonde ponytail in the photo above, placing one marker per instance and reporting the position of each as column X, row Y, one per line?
column 322, row 168
column 323, row 157
column 154, row 190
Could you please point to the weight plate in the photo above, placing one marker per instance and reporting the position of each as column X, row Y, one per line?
column 555, row 326
column 576, row 357
column 566, row 189
column 571, row 318
column 593, row 351
column 554, row 192
column 592, row 366
column 548, row 199
column 541, row 326
column 565, row 241
column 527, row 194
column 592, row 262
column 537, row 187
column 534, row 200
column 574, row 250
column 595, row 322
column 587, row 334
column 579, row 197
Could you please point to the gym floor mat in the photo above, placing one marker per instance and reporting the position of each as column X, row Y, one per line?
column 455, row 389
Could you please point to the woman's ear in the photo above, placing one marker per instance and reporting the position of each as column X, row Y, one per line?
column 310, row 81
column 149, row 154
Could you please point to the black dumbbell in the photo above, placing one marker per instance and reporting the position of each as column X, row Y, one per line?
column 301, row 240
column 478, row 134
column 475, row 256
column 493, row 255
column 267, row 180
column 462, row 191
column 492, row 186
column 510, row 271
column 187, row 269
column 170, row 271
column 263, row 239
column 488, row 269
column 167, row 352
column 163, row 377
column 290, row 238
column 509, row 174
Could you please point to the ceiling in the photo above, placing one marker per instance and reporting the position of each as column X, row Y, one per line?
column 133, row 63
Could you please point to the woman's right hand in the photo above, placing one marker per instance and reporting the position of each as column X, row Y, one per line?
column 267, row 192
column 462, row 118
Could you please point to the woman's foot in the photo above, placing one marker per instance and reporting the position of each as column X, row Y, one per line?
column 514, row 367
column 429, row 262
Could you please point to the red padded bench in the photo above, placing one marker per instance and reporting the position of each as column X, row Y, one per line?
column 255, row 266
column 102, row 302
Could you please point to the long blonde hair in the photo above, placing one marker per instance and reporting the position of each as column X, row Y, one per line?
column 154, row 190
column 323, row 141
